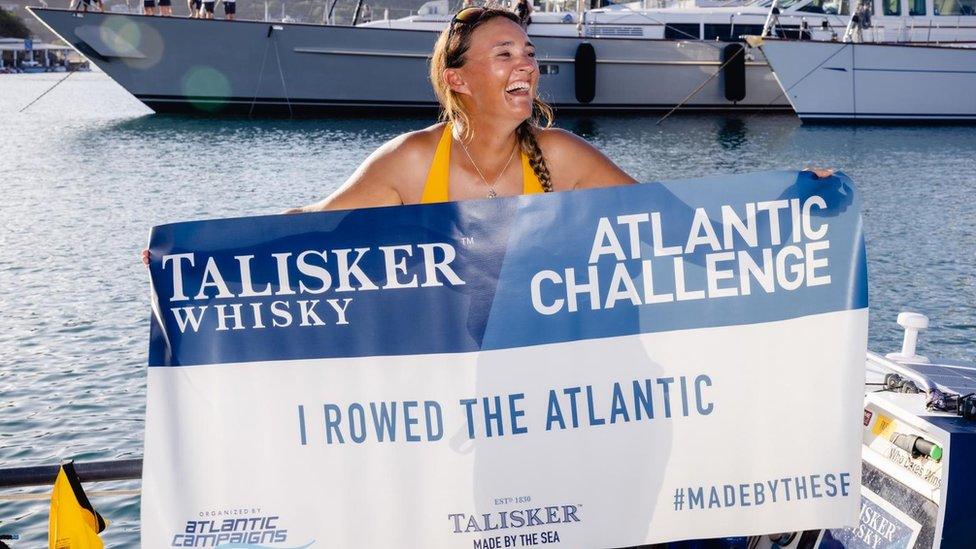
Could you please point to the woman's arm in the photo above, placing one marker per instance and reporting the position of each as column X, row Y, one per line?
column 576, row 164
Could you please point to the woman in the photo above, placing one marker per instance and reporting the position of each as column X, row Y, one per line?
column 486, row 78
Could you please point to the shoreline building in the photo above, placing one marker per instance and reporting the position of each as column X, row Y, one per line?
column 27, row 55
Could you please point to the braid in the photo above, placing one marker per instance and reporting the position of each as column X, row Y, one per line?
column 530, row 146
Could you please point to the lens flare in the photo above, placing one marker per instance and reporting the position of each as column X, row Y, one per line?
column 206, row 88
column 127, row 35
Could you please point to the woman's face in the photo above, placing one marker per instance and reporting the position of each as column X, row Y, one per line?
column 500, row 72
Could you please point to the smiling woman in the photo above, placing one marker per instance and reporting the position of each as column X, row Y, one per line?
column 486, row 77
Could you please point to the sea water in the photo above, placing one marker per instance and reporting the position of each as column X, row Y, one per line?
column 86, row 171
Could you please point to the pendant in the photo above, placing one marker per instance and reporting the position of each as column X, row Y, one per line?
column 492, row 193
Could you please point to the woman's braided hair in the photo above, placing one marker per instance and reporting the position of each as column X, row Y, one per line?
column 449, row 52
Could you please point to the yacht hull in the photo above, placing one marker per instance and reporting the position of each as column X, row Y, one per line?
column 248, row 67
column 846, row 82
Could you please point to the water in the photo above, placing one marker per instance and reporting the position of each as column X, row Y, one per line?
column 84, row 174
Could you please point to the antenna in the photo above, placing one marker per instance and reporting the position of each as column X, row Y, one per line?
column 913, row 323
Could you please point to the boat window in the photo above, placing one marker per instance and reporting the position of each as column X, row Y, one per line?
column 916, row 7
column 954, row 7
column 682, row 31
column 891, row 7
column 730, row 33
column 829, row 7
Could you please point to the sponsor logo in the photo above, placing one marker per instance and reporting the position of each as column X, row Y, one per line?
column 277, row 291
column 463, row 523
column 881, row 524
column 235, row 529
column 503, row 528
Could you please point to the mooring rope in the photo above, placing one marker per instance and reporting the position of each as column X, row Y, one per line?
column 700, row 87
column 257, row 89
column 781, row 93
column 48, row 90
column 281, row 73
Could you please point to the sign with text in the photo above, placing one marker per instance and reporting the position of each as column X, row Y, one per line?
column 596, row 368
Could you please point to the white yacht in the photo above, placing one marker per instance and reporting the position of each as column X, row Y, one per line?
column 684, row 42
column 849, row 82
column 861, row 80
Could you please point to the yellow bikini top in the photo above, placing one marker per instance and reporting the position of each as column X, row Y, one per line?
column 436, row 187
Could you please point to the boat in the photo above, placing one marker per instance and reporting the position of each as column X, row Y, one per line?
column 676, row 27
column 875, row 82
column 918, row 445
column 838, row 82
column 302, row 69
column 617, row 58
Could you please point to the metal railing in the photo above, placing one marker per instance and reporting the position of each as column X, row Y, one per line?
column 92, row 471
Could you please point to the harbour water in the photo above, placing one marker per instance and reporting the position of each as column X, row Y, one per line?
column 85, row 172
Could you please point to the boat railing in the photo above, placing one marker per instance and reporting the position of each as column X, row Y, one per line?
column 91, row 471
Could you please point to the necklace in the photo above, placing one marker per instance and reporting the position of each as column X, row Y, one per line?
column 491, row 186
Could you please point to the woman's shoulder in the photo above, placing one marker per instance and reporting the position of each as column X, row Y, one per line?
column 393, row 174
column 407, row 156
column 575, row 163
column 558, row 144
column 414, row 144
column 560, row 140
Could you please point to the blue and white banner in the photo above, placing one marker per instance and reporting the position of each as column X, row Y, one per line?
column 596, row 368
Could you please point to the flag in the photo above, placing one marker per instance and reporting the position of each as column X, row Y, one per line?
column 74, row 522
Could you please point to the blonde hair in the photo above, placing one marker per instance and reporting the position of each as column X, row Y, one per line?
column 449, row 52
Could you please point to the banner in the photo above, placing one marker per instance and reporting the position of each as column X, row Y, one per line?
column 595, row 368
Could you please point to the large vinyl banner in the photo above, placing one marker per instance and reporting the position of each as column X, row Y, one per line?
column 587, row 369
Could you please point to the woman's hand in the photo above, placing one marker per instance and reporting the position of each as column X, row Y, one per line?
column 145, row 257
column 820, row 173
column 295, row 210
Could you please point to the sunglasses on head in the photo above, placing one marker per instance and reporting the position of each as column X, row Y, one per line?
column 465, row 16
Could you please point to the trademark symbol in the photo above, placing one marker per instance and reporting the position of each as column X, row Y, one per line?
column 467, row 240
